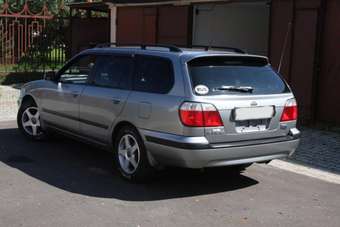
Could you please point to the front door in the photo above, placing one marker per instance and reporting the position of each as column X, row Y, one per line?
column 60, row 105
column 102, row 101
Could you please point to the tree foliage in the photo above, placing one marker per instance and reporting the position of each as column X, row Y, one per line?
column 37, row 5
column 47, row 50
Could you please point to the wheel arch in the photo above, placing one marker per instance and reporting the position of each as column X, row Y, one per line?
column 119, row 126
column 29, row 98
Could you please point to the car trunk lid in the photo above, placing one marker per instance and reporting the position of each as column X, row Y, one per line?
column 248, row 94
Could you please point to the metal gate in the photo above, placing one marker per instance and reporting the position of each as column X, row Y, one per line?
column 24, row 37
column 18, row 31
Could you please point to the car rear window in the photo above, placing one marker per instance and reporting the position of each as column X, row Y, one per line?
column 234, row 75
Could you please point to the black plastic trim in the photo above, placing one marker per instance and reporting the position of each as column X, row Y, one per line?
column 252, row 142
column 73, row 133
column 98, row 125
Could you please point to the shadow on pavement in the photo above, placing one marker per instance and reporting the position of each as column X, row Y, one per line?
column 82, row 169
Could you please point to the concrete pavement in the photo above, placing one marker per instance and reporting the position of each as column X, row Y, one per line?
column 65, row 183
column 8, row 103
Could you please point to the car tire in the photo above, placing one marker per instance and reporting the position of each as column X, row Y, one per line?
column 28, row 120
column 131, row 157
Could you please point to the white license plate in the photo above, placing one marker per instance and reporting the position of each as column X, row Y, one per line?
column 254, row 113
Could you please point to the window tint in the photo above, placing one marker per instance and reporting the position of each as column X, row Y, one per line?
column 219, row 73
column 79, row 71
column 154, row 75
column 113, row 71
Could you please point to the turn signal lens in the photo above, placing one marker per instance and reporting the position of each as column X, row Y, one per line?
column 199, row 115
column 290, row 111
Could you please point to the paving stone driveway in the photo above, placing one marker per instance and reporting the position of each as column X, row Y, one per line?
column 318, row 148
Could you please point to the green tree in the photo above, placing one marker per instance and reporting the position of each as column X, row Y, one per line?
column 36, row 5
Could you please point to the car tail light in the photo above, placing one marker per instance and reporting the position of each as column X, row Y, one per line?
column 290, row 111
column 199, row 115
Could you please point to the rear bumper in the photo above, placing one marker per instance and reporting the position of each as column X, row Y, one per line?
column 196, row 152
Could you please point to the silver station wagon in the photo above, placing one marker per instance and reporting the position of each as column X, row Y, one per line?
column 158, row 106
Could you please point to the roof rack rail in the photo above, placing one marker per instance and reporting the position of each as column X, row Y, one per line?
column 234, row 49
column 171, row 48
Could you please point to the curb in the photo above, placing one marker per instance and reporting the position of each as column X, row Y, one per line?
column 307, row 171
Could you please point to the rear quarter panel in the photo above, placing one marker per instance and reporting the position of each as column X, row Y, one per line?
column 159, row 112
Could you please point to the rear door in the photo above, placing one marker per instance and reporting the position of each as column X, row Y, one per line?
column 103, row 100
column 248, row 94
column 153, row 104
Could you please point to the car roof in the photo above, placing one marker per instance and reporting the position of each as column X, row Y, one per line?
column 185, row 54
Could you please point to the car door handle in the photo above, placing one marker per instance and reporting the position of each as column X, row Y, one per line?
column 116, row 101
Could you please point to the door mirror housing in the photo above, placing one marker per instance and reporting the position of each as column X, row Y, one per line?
column 50, row 76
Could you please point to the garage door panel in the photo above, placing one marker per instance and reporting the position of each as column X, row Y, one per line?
column 129, row 26
column 149, row 28
column 302, row 71
column 243, row 25
column 81, row 38
column 281, row 16
column 136, row 25
column 173, row 25
column 329, row 80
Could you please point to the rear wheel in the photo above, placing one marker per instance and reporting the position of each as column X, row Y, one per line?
column 131, row 156
column 28, row 120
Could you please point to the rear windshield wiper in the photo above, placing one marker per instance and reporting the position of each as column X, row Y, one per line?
column 234, row 88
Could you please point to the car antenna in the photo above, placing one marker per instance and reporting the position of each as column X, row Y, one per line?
column 283, row 52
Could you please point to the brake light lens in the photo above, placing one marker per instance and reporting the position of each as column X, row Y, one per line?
column 199, row 115
column 290, row 111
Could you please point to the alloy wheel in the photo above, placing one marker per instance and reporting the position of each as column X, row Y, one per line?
column 30, row 120
column 129, row 153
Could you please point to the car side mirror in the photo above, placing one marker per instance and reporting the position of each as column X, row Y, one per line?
column 50, row 75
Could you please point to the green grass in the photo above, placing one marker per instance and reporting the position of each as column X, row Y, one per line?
column 6, row 68
column 55, row 54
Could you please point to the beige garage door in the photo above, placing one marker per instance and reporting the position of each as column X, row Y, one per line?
column 242, row 25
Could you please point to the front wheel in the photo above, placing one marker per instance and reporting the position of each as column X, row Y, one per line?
column 131, row 156
column 29, row 123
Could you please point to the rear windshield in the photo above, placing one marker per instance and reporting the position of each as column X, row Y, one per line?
column 234, row 75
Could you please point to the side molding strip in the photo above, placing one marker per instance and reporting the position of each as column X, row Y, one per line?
column 75, row 119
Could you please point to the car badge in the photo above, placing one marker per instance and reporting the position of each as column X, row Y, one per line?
column 253, row 103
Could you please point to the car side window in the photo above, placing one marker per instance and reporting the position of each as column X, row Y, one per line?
column 113, row 71
column 79, row 71
column 154, row 74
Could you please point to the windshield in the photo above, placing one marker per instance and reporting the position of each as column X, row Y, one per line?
column 234, row 75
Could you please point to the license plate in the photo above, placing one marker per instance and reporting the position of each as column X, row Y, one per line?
column 254, row 113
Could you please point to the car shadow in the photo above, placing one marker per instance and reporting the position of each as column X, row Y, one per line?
column 83, row 169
